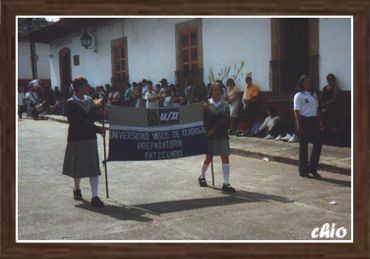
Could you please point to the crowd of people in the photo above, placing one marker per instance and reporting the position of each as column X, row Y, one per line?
column 275, row 127
column 246, row 116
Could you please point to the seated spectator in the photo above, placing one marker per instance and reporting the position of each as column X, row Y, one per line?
column 272, row 125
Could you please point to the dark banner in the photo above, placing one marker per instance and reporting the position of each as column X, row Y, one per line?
column 159, row 134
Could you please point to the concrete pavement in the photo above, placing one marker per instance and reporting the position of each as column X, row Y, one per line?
column 161, row 200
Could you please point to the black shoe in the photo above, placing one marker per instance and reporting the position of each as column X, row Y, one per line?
column 202, row 182
column 96, row 202
column 77, row 195
column 315, row 174
column 227, row 188
column 303, row 175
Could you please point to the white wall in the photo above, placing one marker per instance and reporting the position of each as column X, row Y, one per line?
column 95, row 65
column 229, row 42
column 24, row 60
column 335, row 51
column 43, row 62
column 152, row 48
column 151, row 51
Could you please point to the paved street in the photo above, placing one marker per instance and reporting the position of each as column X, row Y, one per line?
column 161, row 200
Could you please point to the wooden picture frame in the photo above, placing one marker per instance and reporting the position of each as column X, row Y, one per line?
column 361, row 91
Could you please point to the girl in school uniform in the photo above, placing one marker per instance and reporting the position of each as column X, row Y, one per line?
column 216, row 123
column 81, row 157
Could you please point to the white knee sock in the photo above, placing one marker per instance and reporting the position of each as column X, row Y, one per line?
column 94, row 182
column 203, row 170
column 226, row 172
column 77, row 183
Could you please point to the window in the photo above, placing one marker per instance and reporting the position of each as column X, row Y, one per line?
column 189, row 52
column 119, row 63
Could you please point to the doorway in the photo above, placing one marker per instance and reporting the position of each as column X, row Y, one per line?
column 294, row 52
column 65, row 71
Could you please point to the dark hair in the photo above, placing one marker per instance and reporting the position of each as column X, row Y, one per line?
column 78, row 83
column 248, row 77
column 149, row 82
column 215, row 84
column 221, row 83
column 301, row 80
column 230, row 80
column 333, row 76
column 272, row 110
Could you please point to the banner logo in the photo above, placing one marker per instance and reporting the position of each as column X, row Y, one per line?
column 169, row 116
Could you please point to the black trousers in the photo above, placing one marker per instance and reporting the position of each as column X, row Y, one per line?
column 310, row 133
column 277, row 129
column 21, row 109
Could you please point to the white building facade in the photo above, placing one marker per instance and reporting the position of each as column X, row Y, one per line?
column 274, row 51
column 226, row 43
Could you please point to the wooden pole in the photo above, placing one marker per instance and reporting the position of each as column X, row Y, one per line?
column 105, row 163
column 211, row 149
column 213, row 177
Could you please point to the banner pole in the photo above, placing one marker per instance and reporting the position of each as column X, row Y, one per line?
column 105, row 162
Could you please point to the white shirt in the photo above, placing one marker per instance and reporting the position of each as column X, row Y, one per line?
column 269, row 122
column 32, row 97
column 167, row 101
column 151, row 104
column 21, row 98
column 306, row 103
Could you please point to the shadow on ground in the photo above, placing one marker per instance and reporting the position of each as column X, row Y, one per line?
column 137, row 212
column 335, row 181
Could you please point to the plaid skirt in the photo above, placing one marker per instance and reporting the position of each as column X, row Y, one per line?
column 218, row 147
column 81, row 159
